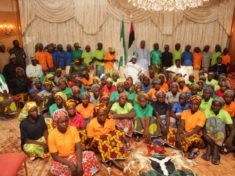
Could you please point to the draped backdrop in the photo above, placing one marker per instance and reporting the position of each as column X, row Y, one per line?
column 92, row 21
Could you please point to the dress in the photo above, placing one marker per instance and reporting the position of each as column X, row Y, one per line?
column 64, row 145
column 125, row 125
column 108, row 140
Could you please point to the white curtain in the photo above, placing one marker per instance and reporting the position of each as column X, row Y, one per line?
column 92, row 21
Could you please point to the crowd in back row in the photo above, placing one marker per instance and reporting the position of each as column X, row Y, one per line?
column 65, row 114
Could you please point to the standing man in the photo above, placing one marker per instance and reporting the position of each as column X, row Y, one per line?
column 4, row 57
column 99, row 54
column 176, row 53
column 19, row 53
column 143, row 55
column 77, row 52
column 59, row 57
column 156, row 55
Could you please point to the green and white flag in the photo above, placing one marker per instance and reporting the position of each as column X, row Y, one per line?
column 122, row 56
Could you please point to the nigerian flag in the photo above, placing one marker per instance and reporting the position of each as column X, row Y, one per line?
column 123, row 57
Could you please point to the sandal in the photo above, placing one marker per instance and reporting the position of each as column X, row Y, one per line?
column 215, row 160
column 206, row 156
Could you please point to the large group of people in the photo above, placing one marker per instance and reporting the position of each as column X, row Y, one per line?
column 75, row 104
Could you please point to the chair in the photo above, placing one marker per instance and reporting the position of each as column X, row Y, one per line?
column 10, row 163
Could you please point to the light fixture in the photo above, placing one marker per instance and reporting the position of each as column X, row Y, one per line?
column 166, row 5
column 6, row 29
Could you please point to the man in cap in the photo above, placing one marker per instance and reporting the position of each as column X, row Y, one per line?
column 9, row 70
column 133, row 69
column 34, row 70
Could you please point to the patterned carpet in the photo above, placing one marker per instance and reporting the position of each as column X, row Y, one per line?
column 10, row 142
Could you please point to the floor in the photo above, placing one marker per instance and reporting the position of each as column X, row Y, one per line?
column 10, row 142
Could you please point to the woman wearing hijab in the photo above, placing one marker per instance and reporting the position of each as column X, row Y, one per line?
column 187, row 136
column 33, row 132
column 215, row 133
column 60, row 99
column 123, row 113
column 86, row 109
column 65, row 149
column 95, row 96
column 106, row 138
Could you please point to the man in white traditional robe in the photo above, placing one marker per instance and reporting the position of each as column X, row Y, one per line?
column 133, row 69
column 34, row 70
column 178, row 68
column 143, row 56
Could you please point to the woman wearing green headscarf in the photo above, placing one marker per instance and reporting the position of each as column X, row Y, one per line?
column 60, row 99
column 33, row 132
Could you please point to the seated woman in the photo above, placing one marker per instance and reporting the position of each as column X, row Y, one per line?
column 7, row 104
column 229, row 105
column 20, row 86
column 120, row 89
column 156, row 88
column 215, row 133
column 109, row 87
column 182, row 86
column 46, row 94
column 76, row 94
column 65, row 149
column 172, row 96
column 33, row 133
column 37, row 86
column 162, row 113
column 62, row 84
column 134, row 90
column 146, row 85
column 223, row 87
column 194, row 89
column 86, row 109
column 123, row 113
column 206, row 98
column 164, row 84
column 179, row 107
column 145, row 123
column 109, row 141
column 187, row 136
column 60, row 99
column 95, row 96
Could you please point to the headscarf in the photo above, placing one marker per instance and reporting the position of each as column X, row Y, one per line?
column 229, row 92
column 36, row 80
column 70, row 103
column 142, row 95
column 57, row 115
column 109, row 80
column 194, row 86
column 180, row 79
column 220, row 100
column 123, row 95
column 62, row 95
column 96, row 78
column 62, row 79
column 48, row 82
column 186, row 95
column 160, row 93
column 95, row 86
column 48, row 76
column 25, row 111
column 156, row 81
column 100, row 106
column 174, row 84
column 224, row 83
column 209, row 89
column 85, row 94
column 104, row 95
column 120, row 84
column 196, row 98
column 75, row 88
